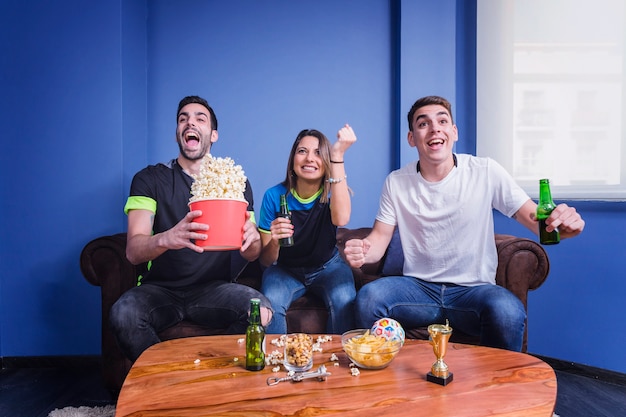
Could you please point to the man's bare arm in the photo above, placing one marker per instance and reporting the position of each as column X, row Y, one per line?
column 143, row 246
column 371, row 249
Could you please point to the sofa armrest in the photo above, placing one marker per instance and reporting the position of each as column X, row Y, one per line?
column 523, row 265
column 103, row 263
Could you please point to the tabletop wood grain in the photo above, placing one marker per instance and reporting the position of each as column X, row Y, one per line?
column 205, row 376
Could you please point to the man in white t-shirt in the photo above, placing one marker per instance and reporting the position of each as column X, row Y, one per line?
column 442, row 206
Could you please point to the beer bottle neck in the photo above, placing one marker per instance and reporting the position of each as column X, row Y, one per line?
column 545, row 196
column 255, row 313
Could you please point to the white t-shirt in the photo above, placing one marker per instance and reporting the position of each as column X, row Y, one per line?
column 446, row 227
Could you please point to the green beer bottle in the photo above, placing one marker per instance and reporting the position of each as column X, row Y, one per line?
column 255, row 338
column 544, row 208
column 284, row 212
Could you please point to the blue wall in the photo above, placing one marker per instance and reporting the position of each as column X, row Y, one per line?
column 61, row 169
column 89, row 95
column 270, row 72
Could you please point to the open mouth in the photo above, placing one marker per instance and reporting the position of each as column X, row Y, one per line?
column 435, row 142
column 192, row 136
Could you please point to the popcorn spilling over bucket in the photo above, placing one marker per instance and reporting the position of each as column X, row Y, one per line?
column 218, row 190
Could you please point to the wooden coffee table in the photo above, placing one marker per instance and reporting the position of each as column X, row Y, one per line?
column 168, row 380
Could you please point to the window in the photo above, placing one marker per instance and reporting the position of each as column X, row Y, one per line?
column 551, row 92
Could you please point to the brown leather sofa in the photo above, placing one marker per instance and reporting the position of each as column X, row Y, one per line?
column 522, row 266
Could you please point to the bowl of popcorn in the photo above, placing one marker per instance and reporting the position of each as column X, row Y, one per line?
column 218, row 191
column 369, row 351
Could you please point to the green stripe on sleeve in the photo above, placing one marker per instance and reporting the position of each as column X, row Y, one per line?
column 140, row 203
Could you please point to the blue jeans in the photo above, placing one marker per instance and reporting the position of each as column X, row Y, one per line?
column 142, row 312
column 489, row 311
column 332, row 282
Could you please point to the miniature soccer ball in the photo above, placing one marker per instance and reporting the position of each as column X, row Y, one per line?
column 390, row 329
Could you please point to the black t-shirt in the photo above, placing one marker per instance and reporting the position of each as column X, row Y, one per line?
column 169, row 187
column 315, row 235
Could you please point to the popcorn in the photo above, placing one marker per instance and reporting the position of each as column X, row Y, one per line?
column 280, row 342
column 218, row 178
column 274, row 358
column 317, row 346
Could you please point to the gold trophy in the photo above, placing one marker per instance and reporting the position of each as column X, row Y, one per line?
column 439, row 336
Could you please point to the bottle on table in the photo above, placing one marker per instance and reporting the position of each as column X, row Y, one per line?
column 255, row 338
column 285, row 213
column 544, row 208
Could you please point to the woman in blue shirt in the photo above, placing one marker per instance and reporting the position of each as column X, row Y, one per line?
column 315, row 176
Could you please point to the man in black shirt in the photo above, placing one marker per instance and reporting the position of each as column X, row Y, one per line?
column 184, row 282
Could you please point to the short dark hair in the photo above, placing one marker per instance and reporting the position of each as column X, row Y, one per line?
column 427, row 101
column 199, row 100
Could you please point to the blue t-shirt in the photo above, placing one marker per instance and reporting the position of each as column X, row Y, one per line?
column 315, row 235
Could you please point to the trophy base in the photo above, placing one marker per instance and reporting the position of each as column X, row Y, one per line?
column 438, row 379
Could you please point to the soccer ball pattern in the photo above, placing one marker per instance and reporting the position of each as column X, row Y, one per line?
column 390, row 329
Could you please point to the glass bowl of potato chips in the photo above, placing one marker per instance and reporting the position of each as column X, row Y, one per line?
column 369, row 351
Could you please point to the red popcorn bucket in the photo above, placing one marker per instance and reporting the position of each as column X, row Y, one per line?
column 225, row 218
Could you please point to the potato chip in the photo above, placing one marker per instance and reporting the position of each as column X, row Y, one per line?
column 371, row 351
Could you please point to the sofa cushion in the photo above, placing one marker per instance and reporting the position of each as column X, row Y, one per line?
column 394, row 259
